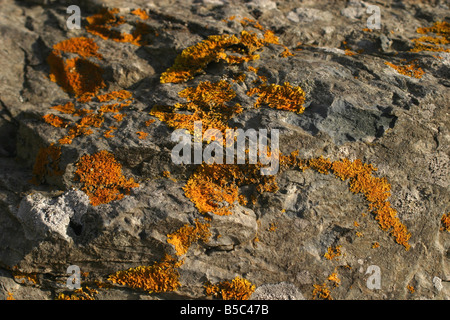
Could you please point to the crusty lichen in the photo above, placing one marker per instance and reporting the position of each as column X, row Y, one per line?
column 231, row 49
column 236, row 289
column 184, row 237
column 430, row 43
column 102, row 179
column 445, row 222
column 215, row 188
column 281, row 97
column 333, row 252
column 101, row 24
column 321, row 291
column 376, row 191
column 207, row 102
column 410, row 69
column 83, row 293
column 162, row 276
column 78, row 75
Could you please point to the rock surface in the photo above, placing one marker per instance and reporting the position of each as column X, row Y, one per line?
column 356, row 107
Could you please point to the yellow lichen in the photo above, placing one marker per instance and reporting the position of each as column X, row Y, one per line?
column 184, row 237
column 160, row 277
column 236, row 289
column 102, row 179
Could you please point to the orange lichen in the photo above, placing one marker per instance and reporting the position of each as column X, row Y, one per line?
column 84, row 47
column 101, row 24
column 333, row 252
column 321, row 291
column 375, row 245
column 142, row 134
column 184, row 237
column 102, row 178
column 115, row 95
column 83, row 293
column 236, row 289
column 252, row 69
column 119, row 117
column 25, row 277
column 429, row 43
column 286, row 52
column 240, row 77
column 109, row 133
column 251, row 22
column 410, row 69
column 229, row 48
column 160, row 277
column 10, row 296
column 445, row 222
column 320, row 164
column 272, row 227
column 55, row 121
column 270, row 37
column 77, row 76
column 334, row 278
column 141, row 14
column 211, row 196
column 46, row 164
column 376, row 191
column 281, row 97
column 207, row 102
column 195, row 58
column 410, row 289
column 215, row 188
column 69, row 108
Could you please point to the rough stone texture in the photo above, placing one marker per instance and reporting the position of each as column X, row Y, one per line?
column 356, row 107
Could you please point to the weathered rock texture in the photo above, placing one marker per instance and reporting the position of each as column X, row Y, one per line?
column 356, row 107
